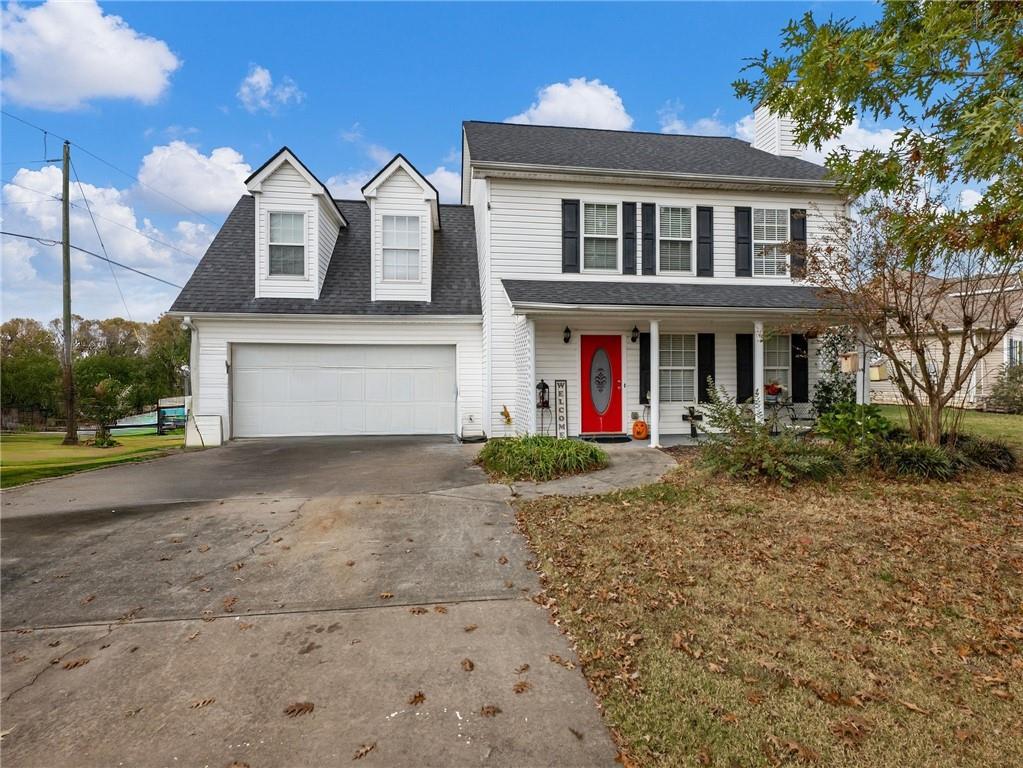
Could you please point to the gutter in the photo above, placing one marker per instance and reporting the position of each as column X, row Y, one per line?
column 540, row 307
column 327, row 318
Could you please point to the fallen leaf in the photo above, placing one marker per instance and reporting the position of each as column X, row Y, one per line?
column 243, row 625
column 563, row 662
column 386, row 595
column 964, row 735
column 203, row 548
column 418, row 610
column 715, row 668
column 350, row 563
column 470, row 627
column 364, row 750
column 4, row 733
column 417, row 698
column 489, row 710
column 467, row 665
column 229, row 603
column 299, row 708
column 76, row 663
column 88, row 599
column 237, row 764
column 205, row 589
column 913, row 707
column 576, row 733
column 1002, row 694
column 522, row 686
column 237, row 566
column 193, row 635
column 440, row 609
column 523, row 668
column 200, row 703
column 502, row 560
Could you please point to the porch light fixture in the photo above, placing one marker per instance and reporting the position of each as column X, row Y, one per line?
column 635, row 334
column 567, row 335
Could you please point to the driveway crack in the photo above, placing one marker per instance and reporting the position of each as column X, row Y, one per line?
column 56, row 662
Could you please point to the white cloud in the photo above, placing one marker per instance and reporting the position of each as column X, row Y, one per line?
column 672, row 122
column 206, row 183
column 579, row 102
column 379, row 154
column 448, row 184
column 32, row 271
column 744, row 128
column 856, row 137
column 348, row 186
column 969, row 198
column 257, row 91
column 62, row 55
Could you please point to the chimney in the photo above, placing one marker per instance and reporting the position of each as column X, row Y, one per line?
column 774, row 134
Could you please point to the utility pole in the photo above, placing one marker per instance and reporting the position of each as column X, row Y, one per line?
column 71, row 436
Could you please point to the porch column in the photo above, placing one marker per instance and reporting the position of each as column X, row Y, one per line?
column 531, row 393
column 655, row 384
column 758, row 369
column 862, row 377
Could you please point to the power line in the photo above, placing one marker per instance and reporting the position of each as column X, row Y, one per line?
column 116, row 223
column 49, row 242
column 93, row 155
column 103, row 246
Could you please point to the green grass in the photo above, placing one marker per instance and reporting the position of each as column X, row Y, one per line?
column 539, row 458
column 38, row 455
column 999, row 426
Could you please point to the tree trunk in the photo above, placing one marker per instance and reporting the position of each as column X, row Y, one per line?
column 932, row 428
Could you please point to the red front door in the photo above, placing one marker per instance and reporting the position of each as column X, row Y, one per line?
column 601, row 377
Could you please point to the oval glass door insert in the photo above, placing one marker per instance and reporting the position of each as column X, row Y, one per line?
column 600, row 381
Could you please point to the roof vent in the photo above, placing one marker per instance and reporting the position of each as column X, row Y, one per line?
column 774, row 134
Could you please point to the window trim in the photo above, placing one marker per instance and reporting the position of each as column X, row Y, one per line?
column 787, row 384
column 692, row 241
column 754, row 242
column 419, row 249
column 695, row 368
column 270, row 275
column 583, row 236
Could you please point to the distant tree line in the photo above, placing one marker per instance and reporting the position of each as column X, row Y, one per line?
column 147, row 357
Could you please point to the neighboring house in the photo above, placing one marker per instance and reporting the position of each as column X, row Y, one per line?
column 631, row 266
column 1008, row 353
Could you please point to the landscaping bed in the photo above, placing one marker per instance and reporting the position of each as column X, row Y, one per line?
column 539, row 458
column 25, row 457
column 859, row 621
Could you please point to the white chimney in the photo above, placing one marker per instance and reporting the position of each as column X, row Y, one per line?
column 774, row 134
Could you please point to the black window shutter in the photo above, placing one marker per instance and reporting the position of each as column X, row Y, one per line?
column 743, row 366
column 797, row 234
column 649, row 239
column 704, row 365
column 705, row 241
column 800, row 369
column 644, row 368
column 569, row 235
column 629, row 238
column 744, row 242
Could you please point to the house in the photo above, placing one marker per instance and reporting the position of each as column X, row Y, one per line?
column 620, row 269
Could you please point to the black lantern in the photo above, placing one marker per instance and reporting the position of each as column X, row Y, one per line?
column 635, row 334
column 543, row 395
column 567, row 335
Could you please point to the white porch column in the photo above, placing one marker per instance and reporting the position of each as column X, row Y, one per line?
column 862, row 377
column 531, row 394
column 655, row 384
column 758, row 369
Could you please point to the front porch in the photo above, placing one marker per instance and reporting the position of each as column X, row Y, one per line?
column 613, row 368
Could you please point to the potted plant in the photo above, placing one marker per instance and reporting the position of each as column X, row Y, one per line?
column 773, row 392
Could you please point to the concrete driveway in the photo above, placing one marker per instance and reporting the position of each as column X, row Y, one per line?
column 170, row 613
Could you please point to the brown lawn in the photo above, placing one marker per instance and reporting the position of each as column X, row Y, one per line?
column 857, row 623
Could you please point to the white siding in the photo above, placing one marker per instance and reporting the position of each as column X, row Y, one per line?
column 217, row 335
column 400, row 195
column 287, row 190
column 775, row 134
column 526, row 378
column 525, row 243
column 327, row 239
column 480, row 193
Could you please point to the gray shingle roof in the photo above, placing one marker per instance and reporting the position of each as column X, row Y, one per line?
column 630, row 151
column 224, row 279
column 647, row 294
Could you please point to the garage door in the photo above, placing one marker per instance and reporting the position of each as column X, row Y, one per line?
column 314, row 389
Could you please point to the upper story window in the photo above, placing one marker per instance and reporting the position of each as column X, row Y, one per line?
column 676, row 239
column 401, row 248
column 287, row 244
column 600, row 236
column 677, row 366
column 777, row 354
column 770, row 233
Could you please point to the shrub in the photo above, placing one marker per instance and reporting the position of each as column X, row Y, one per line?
column 852, row 424
column 1007, row 392
column 741, row 447
column 908, row 459
column 833, row 386
column 979, row 452
column 539, row 457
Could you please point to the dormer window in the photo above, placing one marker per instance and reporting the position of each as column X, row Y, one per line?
column 287, row 244
column 401, row 248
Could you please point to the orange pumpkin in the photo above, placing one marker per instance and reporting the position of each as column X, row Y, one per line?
column 640, row 430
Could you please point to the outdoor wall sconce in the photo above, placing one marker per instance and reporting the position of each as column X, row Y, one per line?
column 567, row 335
column 635, row 334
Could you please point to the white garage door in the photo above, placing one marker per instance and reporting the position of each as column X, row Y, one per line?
column 318, row 389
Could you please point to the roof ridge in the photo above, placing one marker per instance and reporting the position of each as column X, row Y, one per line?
column 603, row 130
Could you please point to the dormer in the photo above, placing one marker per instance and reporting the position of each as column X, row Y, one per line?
column 297, row 224
column 405, row 213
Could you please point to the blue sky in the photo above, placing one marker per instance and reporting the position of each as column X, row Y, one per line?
column 189, row 97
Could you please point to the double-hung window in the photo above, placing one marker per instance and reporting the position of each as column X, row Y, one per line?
column 401, row 248
column 677, row 368
column 600, row 236
column 770, row 233
column 777, row 356
column 287, row 244
column 676, row 239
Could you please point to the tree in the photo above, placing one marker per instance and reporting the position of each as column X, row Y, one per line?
column 950, row 73
column 933, row 322
column 104, row 403
column 29, row 367
column 1007, row 393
